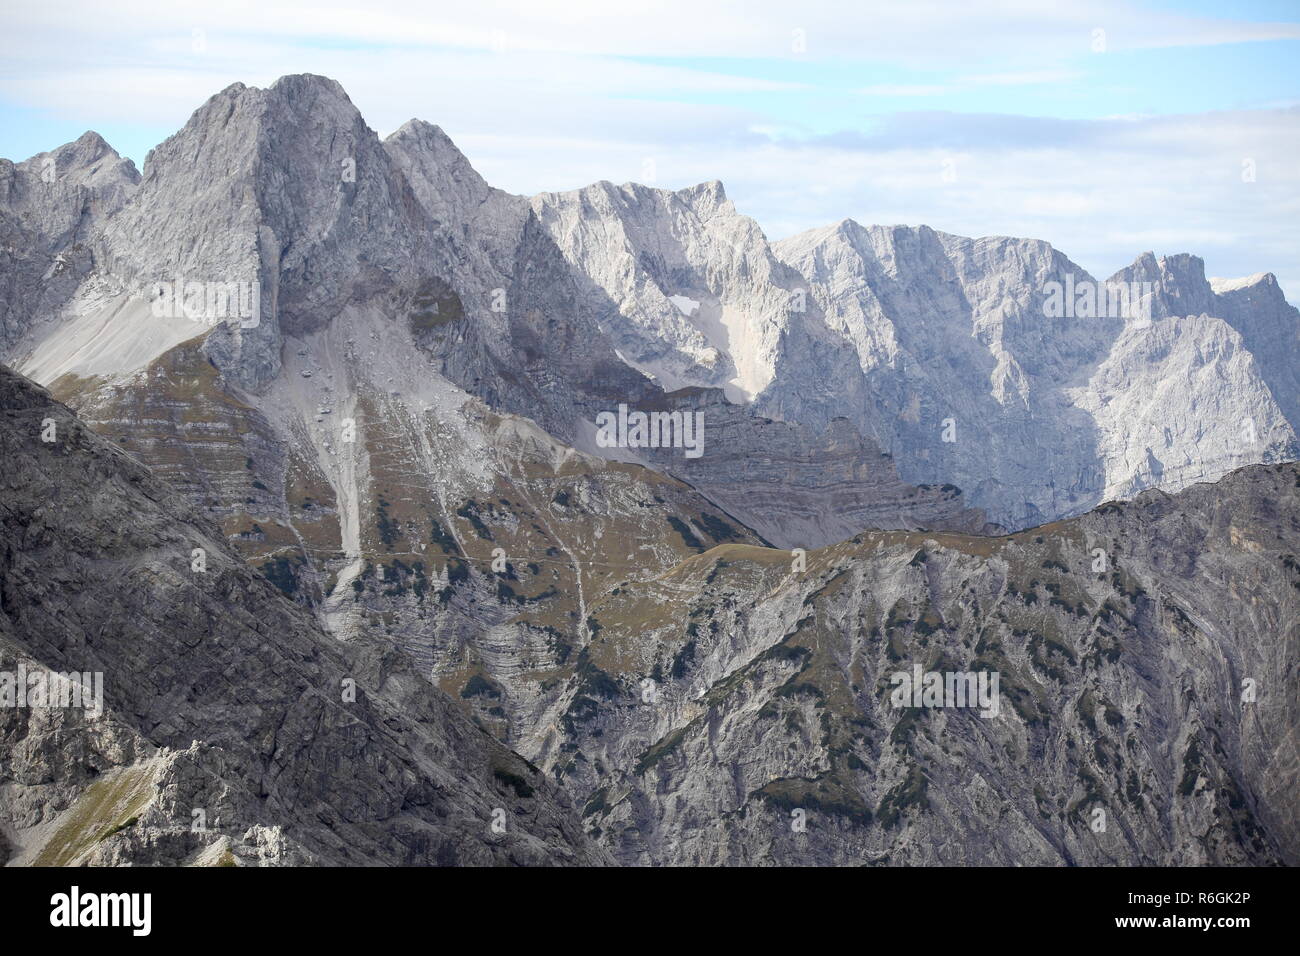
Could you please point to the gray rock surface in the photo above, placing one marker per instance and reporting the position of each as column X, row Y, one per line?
column 904, row 330
column 1148, row 711
column 559, row 306
column 804, row 488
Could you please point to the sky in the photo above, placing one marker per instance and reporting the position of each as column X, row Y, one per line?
column 1105, row 128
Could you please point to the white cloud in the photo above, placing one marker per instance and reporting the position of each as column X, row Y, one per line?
column 903, row 89
column 921, row 30
column 1031, row 78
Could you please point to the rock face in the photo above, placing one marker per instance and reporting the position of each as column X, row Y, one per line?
column 687, row 287
column 945, row 351
column 50, row 206
column 228, row 731
column 1051, row 411
column 802, row 487
column 280, row 188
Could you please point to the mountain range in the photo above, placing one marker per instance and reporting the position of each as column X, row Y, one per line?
column 357, row 367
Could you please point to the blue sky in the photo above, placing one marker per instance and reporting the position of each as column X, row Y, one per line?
column 1107, row 128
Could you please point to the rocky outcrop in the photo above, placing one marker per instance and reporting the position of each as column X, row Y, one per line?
column 688, row 289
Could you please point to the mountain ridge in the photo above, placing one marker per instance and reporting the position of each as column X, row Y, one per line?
column 919, row 337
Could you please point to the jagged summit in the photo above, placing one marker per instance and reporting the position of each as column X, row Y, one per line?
column 423, row 129
column 710, row 193
column 309, row 81
column 442, row 178
column 88, row 160
column 950, row 329
column 702, row 197
column 289, row 83
column 52, row 207
column 284, row 187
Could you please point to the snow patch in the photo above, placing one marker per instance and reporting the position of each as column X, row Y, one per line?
column 685, row 305
column 1229, row 285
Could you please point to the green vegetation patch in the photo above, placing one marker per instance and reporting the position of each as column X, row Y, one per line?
column 108, row 806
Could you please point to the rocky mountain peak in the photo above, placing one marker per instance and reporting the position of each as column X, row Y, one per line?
column 443, row 180
column 311, row 84
column 285, row 188
column 51, row 207
column 89, row 161
column 56, row 192
column 706, row 197
column 1262, row 285
column 1178, row 284
column 847, row 227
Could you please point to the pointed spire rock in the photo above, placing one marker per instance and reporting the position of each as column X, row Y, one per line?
column 1178, row 283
